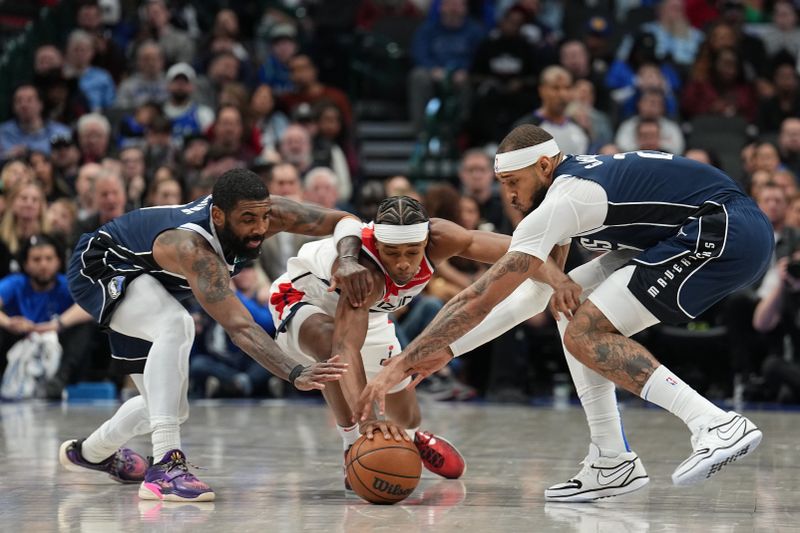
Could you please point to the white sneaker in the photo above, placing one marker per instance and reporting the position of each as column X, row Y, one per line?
column 725, row 439
column 601, row 477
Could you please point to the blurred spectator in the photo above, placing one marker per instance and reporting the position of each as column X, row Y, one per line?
column 62, row 98
column 132, row 127
column 785, row 102
column 176, row 44
column 107, row 54
column 555, row 91
column 94, row 137
column 676, row 39
column 159, row 149
column 443, row 49
column 583, row 112
column 33, row 296
column 789, row 144
column 187, row 116
column 166, row 192
column 370, row 195
column 225, row 35
column 295, row 147
column 598, row 38
column 786, row 181
column 773, row 202
column 47, row 58
column 28, row 129
column 574, row 56
column 724, row 92
column 14, row 172
column 133, row 173
column 372, row 11
column 53, row 187
column 702, row 155
column 96, row 83
column 783, row 34
column 193, row 159
column 108, row 199
column 24, row 215
column 722, row 36
column 84, row 187
column 319, row 187
column 230, row 137
column 276, row 251
column 270, row 122
column 750, row 47
column 503, row 75
column 66, row 157
column 631, row 72
column 147, row 83
column 223, row 68
column 648, row 135
column 401, row 186
column 331, row 131
column 758, row 180
column 62, row 216
column 476, row 174
column 651, row 107
column 308, row 89
column 275, row 69
column 541, row 36
column 766, row 157
column 793, row 212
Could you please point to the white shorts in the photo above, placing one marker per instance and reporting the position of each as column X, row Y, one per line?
column 380, row 343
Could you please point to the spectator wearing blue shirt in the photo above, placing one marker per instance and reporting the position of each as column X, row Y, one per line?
column 27, row 130
column 275, row 69
column 95, row 83
column 442, row 49
column 218, row 366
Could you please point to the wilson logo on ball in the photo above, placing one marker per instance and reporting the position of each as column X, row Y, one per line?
column 384, row 486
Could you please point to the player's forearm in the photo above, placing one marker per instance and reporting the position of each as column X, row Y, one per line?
column 768, row 311
column 255, row 342
column 349, row 247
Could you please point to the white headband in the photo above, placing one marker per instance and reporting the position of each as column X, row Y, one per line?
column 396, row 234
column 525, row 157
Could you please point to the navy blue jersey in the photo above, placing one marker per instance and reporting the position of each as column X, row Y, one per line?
column 122, row 249
column 650, row 195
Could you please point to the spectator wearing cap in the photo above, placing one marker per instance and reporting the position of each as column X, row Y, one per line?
column 96, row 83
column 188, row 117
column 555, row 92
column 66, row 158
column 94, row 137
column 147, row 84
column 597, row 38
column 28, row 130
column 783, row 34
column 309, row 90
column 176, row 44
column 108, row 54
column 442, row 49
column 275, row 69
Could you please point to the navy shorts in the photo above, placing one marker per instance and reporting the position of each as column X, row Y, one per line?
column 726, row 248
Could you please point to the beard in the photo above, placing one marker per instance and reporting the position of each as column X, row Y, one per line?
column 536, row 200
column 180, row 98
column 40, row 282
column 237, row 246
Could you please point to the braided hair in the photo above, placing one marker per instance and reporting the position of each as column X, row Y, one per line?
column 401, row 211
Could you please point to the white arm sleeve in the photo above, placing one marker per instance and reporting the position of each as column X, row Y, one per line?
column 529, row 299
column 572, row 206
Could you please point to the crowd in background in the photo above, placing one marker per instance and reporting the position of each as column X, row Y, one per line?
column 147, row 103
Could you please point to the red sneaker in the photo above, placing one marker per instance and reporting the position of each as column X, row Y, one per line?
column 439, row 456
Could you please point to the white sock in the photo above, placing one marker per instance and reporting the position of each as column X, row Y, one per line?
column 349, row 435
column 667, row 390
column 599, row 400
column 130, row 420
column 166, row 436
column 411, row 432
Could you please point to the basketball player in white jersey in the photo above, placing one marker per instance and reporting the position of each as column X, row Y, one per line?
column 400, row 250
column 679, row 236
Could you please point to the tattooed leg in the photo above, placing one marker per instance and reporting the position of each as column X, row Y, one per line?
column 595, row 342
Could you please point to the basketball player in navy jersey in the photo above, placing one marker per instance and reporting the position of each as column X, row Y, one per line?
column 131, row 275
column 400, row 250
column 679, row 236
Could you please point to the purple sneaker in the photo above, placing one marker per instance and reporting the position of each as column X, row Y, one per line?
column 170, row 480
column 125, row 466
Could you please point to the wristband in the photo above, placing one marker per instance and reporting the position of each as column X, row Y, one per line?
column 295, row 373
column 347, row 227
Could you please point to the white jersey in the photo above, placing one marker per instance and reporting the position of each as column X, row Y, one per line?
column 309, row 276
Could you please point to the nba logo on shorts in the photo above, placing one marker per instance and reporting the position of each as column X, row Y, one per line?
column 671, row 380
column 115, row 287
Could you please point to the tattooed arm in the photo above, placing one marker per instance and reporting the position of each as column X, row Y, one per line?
column 189, row 254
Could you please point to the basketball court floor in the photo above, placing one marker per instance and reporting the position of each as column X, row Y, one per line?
column 277, row 466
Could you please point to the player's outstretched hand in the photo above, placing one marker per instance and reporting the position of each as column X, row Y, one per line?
column 393, row 373
column 389, row 429
column 566, row 299
column 315, row 375
column 354, row 280
column 430, row 365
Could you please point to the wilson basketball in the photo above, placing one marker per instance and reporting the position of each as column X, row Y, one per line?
column 383, row 471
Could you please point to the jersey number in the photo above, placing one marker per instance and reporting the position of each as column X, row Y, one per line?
column 646, row 155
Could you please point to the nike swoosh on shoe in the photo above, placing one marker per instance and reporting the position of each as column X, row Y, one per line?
column 619, row 472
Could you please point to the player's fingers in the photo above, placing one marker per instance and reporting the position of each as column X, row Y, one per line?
column 334, row 284
column 416, row 381
column 397, row 433
column 384, row 428
column 381, row 405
